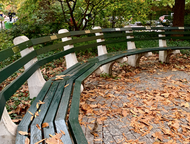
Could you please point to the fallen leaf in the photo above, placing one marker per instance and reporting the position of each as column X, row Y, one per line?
column 55, row 139
column 124, row 113
column 27, row 141
column 37, row 125
column 62, row 132
column 40, row 141
column 23, row 133
column 66, row 85
column 30, row 113
column 40, row 102
column 89, row 127
column 31, row 118
column 158, row 135
column 45, row 125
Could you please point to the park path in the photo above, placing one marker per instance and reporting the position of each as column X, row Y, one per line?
column 146, row 105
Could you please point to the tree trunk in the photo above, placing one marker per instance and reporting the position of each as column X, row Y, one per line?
column 179, row 12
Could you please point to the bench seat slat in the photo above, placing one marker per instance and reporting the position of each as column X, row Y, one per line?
column 36, row 134
column 52, row 110
column 24, row 124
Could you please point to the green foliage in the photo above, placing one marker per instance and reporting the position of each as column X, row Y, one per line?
column 187, row 20
column 38, row 19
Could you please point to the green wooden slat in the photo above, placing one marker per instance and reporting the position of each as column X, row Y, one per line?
column 75, row 128
column 53, row 47
column 12, row 68
column 179, row 32
column 87, row 39
column 14, row 49
column 49, row 38
column 24, row 124
column 5, row 54
column 62, row 111
column 84, row 32
column 36, row 134
column 61, row 125
column 52, row 110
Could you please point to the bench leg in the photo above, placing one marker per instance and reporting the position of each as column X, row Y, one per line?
column 71, row 59
column 101, row 51
column 134, row 59
column 36, row 81
column 7, row 129
column 165, row 55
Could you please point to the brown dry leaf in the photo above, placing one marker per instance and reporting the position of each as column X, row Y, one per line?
column 91, row 99
column 66, row 85
column 133, row 112
column 40, row 141
column 36, row 114
column 89, row 127
column 62, row 132
column 37, row 125
column 22, row 133
column 93, row 106
column 165, row 94
column 40, row 102
column 167, row 131
column 30, row 113
column 124, row 113
column 55, row 139
column 16, row 120
column 98, row 139
column 158, row 135
column 45, row 125
column 27, row 141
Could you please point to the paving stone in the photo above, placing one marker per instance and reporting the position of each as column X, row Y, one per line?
column 107, row 137
column 84, row 119
column 99, row 139
column 113, row 129
column 119, row 139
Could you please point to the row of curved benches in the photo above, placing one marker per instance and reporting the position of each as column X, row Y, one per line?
column 57, row 94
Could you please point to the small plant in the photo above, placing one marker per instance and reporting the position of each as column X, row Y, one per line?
column 105, row 75
column 123, row 64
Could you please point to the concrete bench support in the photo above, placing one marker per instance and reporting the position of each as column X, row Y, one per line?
column 103, row 50
column 165, row 55
column 8, row 129
column 71, row 59
column 134, row 59
column 36, row 81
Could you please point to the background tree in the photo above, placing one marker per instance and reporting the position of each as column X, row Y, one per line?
column 179, row 13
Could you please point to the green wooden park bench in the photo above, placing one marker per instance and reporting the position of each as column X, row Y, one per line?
column 59, row 91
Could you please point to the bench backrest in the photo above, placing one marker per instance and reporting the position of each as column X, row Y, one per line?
column 80, row 38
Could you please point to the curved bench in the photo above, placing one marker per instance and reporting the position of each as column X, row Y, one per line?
column 57, row 92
